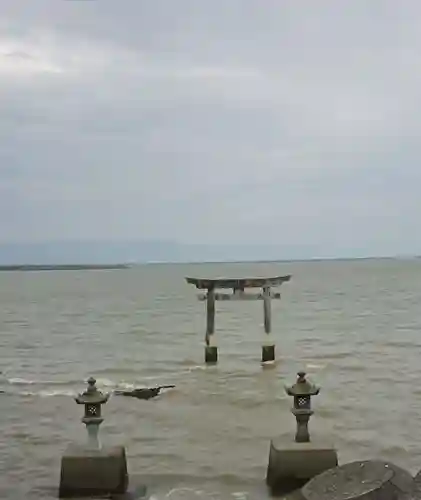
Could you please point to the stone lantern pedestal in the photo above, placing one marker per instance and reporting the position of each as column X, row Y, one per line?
column 293, row 463
column 89, row 469
column 86, row 472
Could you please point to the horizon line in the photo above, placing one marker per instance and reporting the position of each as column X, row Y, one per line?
column 130, row 264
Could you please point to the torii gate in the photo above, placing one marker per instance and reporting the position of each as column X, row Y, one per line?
column 238, row 287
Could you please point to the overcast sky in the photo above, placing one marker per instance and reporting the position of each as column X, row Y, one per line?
column 286, row 121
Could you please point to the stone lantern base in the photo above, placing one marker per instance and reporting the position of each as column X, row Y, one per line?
column 292, row 465
column 88, row 472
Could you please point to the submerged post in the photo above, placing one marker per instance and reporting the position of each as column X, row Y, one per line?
column 238, row 287
column 268, row 345
column 211, row 349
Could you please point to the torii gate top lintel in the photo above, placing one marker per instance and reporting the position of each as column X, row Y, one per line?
column 237, row 283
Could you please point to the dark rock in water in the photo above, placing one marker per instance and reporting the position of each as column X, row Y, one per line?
column 417, row 488
column 368, row 480
column 146, row 393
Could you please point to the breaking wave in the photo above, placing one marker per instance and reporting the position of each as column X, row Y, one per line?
column 49, row 388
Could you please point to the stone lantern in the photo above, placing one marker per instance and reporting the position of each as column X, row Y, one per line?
column 88, row 469
column 302, row 391
column 93, row 399
column 292, row 463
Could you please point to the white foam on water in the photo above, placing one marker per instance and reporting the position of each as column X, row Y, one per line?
column 315, row 367
column 70, row 389
column 269, row 363
column 105, row 382
column 48, row 394
column 240, row 495
column 20, row 381
column 195, row 368
column 24, row 381
column 101, row 382
column 184, row 494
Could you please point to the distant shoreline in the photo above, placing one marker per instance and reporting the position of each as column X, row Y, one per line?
column 63, row 267
column 87, row 267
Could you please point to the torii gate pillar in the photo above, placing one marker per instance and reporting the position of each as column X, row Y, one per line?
column 211, row 349
column 238, row 286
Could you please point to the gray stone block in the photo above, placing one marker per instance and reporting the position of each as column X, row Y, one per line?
column 292, row 464
column 417, row 486
column 362, row 480
column 87, row 472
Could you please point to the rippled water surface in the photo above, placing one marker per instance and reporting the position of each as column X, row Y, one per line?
column 354, row 326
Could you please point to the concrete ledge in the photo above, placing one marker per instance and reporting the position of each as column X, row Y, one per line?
column 291, row 465
column 86, row 472
column 363, row 480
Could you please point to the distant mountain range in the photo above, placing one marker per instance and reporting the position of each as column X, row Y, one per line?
column 147, row 251
column 106, row 252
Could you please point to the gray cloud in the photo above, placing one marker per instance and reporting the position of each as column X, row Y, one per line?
column 295, row 123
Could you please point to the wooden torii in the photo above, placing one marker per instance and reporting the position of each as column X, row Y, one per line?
column 238, row 287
